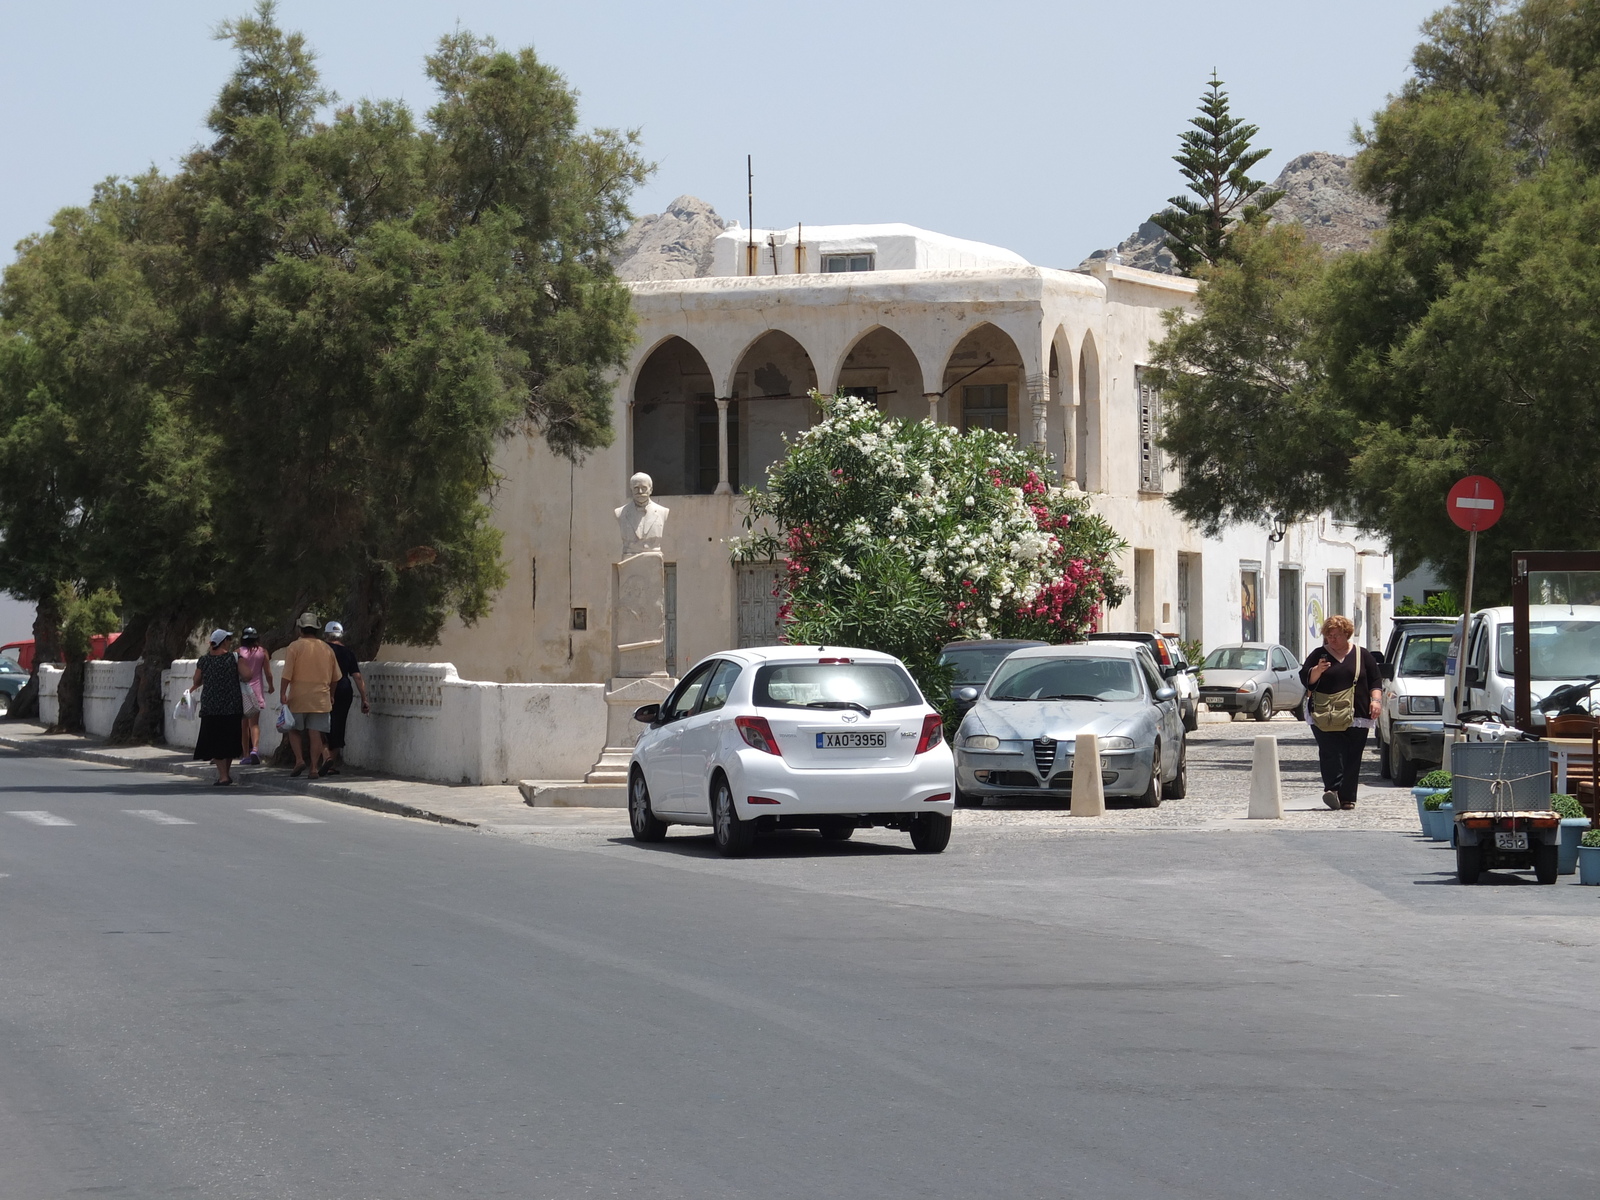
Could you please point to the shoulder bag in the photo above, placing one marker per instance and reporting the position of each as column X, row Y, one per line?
column 1334, row 712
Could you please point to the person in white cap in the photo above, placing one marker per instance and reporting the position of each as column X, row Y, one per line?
column 216, row 674
column 343, row 694
column 309, row 673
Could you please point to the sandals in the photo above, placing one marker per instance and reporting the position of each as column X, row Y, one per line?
column 298, row 769
column 222, row 783
column 1347, row 805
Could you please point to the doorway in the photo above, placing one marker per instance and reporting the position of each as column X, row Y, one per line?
column 1289, row 610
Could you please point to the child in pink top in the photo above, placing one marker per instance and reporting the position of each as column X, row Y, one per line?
column 254, row 670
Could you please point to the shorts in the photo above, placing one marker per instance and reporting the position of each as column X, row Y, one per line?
column 320, row 722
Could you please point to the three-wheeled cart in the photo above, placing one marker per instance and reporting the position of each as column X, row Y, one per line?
column 1500, row 791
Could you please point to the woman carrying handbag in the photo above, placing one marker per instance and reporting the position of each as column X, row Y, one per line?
column 1346, row 697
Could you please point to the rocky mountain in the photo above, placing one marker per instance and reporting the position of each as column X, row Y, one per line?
column 675, row 244
column 1318, row 194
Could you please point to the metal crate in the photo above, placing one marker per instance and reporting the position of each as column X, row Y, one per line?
column 1523, row 766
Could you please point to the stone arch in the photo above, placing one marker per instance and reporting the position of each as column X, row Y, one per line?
column 984, row 376
column 772, row 383
column 671, row 400
column 1089, row 426
column 881, row 363
column 1062, row 397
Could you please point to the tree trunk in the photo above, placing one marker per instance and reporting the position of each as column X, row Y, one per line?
column 130, row 646
column 46, row 649
column 69, row 698
column 364, row 632
column 142, row 718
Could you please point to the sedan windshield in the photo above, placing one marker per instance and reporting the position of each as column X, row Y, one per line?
column 835, row 685
column 1066, row 679
column 1236, row 658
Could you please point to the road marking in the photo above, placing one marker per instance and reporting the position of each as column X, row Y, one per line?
column 39, row 817
column 283, row 814
column 156, row 815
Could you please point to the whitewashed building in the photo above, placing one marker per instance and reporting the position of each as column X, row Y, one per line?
column 929, row 327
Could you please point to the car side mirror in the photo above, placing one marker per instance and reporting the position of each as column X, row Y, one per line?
column 1170, row 672
column 1474, row 677
column 965, row 696
column 1388, row 670
column 1166, row 693
column 647, row 714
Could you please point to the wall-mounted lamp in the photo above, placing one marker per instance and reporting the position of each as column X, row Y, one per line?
column 1279, row 528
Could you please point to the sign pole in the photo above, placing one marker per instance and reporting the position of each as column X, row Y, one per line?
column 1466, row 614
column 1474, row 503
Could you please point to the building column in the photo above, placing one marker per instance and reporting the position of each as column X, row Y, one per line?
column 933, row 406
column 1039, row 400
column 724, row 488
column 1069, row 459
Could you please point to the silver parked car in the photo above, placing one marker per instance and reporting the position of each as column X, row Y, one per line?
column 1255, row 678
column 1018, row 739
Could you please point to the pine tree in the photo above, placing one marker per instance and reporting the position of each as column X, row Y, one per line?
column 1216, row 159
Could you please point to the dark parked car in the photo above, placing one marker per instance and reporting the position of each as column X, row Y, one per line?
column 12, row 679
column 975, row 662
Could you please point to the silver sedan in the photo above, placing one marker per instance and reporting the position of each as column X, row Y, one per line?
column 1019, row 737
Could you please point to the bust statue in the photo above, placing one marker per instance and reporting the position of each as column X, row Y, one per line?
column 643, row 521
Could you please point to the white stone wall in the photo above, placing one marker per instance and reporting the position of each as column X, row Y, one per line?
column 49, row 706
column 104, row 686
column 429, row 723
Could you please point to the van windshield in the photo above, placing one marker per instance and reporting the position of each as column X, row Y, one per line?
column 1556, row 649
column 1424, row 654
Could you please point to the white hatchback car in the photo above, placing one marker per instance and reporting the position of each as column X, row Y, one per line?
column 825, row 738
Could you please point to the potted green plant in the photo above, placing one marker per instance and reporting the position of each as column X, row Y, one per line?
column 1440, row 815
column 1573, row 823
column 1589, row 858
column 1430, row 784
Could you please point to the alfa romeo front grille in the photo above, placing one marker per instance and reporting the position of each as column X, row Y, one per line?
column 1044, row 756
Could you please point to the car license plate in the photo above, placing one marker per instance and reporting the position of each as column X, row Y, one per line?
column 852, row 741
column 1510, row 841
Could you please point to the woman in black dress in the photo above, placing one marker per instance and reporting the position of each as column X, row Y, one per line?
column 221, row 707
column 343, row 695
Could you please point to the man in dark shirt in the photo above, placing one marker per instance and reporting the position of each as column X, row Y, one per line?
column 1333, row 667
column 343, row 694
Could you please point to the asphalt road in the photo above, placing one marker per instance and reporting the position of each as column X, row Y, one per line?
column 285, row 998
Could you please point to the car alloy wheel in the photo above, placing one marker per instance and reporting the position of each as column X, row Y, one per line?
column 646, row 828
column 1152, row 794
column 732, row 836
column 1264, row 709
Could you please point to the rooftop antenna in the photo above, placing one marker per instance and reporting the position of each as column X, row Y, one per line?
column 750, row 200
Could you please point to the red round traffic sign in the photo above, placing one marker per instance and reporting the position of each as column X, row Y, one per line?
column 1476, row 502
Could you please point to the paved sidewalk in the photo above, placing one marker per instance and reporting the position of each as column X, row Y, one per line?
column 492, row 809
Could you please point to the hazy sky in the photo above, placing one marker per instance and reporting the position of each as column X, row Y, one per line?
column 1045, row 126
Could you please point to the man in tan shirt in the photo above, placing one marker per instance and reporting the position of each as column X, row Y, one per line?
column 309, row 672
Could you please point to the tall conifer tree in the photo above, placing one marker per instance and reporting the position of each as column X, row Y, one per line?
column 1216, row 159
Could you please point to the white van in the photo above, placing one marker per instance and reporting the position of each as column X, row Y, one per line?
column 1563, row 649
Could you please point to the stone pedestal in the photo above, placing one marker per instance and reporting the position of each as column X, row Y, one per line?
column 639, row 620
column 622, row 731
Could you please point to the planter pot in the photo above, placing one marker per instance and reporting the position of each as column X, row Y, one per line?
column 1441, row 823
column 1419, row 794
column 1571, row 832
column 1589, row 865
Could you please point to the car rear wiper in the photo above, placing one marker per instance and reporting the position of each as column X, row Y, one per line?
column 860, row 708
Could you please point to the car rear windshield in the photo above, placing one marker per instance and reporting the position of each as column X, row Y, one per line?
column 1424, row 654
column 831, row 685
column 1236, row 658
column 1066, row 679
column 974, row 664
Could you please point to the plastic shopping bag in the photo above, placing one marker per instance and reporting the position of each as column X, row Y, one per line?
column 285, row 721
column 187, row 708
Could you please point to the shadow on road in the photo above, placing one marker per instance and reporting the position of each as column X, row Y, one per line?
column 782, row 843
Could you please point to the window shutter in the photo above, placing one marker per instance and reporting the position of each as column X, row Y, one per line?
column 1150, row 472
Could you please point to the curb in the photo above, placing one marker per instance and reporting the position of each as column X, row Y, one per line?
column 276, row 781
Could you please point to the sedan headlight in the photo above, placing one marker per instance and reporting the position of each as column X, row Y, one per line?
column 1248, row 685
column 1420, row 706
column 980, row 741
column 1116, row 743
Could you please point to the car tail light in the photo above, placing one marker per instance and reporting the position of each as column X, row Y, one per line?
column 936, row 799
column 932, row 732
column 1161, row 649
column 756, row 732
column 761, row 800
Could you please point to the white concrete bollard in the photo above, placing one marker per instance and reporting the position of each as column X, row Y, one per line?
column 1088, row 792
column 1266, row 786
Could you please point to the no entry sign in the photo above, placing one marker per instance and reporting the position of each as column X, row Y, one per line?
column 1476, row 503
